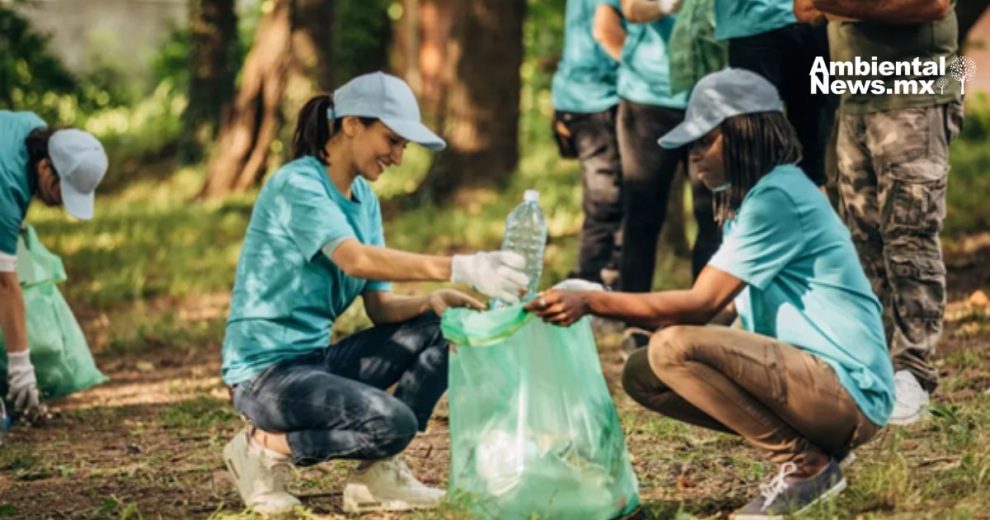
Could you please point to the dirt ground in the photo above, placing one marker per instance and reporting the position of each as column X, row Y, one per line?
column 147, row 444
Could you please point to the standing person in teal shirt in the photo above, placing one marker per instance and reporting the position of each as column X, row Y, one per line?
column 809, row 379
column 585, row 103
column 765, row 37
column 647, row 111
column 314, row 244
column 63, row 168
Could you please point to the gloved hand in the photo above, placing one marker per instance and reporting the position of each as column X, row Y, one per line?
column 496, row 274
column 22, row 385
column 577, row 284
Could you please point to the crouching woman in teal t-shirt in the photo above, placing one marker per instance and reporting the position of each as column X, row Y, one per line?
column 313, row 245
column 809, row 379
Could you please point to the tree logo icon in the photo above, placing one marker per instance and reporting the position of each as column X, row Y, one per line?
column 941, row 83
column 962, row 69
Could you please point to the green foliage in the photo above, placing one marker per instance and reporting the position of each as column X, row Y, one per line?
column 969, row 184
column 362, row 35
column 172, row 60
column 30, row 75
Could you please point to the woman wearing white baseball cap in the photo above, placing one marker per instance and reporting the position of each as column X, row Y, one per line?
column 809, row 379
column 60, row 167
column 314, row 244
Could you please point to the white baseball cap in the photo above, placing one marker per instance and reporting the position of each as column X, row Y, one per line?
column 719, row 96
column 389, row 99
column 81, row 163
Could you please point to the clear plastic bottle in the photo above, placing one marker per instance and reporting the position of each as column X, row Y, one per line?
column 526, row 234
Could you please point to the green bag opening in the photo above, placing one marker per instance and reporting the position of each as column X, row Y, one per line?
column 60, row 354
column 534, row 431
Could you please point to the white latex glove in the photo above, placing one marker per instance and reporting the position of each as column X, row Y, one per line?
column 22, row 386
column 496, row 274
column 577, row 284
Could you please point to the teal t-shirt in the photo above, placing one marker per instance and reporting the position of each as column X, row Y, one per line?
column 586, row 75
column 739, row 18
column 287, row 293
column 806, row 286
column 16, row 186
column 644, row 72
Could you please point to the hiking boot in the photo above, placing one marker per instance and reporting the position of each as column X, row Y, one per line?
column 633, row 339
column 780, row 498
column 911, row 400
column 261, row 475
column 388, row 485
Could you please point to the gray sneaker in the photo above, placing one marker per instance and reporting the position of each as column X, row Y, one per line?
column 779, row 498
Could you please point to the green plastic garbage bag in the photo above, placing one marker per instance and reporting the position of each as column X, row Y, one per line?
column 61, row 357
column 694, row 51
column 533, row 429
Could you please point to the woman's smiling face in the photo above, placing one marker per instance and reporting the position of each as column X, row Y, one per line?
column 375, row 148
column 705, row 161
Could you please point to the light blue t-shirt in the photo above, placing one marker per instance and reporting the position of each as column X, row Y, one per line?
column 739, row 18
column 644, row 72
column 16, row 186
column 287, row 293
column 586, row 75
column 806, row 286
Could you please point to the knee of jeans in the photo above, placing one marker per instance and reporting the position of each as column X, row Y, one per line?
column 396, row 430
column 670, row 346
column 637, row 375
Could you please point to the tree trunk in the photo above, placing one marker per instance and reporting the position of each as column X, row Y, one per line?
column 213, row 64
column 482, row 102
column 242, row 151
column 436, row 25
column 312, row 40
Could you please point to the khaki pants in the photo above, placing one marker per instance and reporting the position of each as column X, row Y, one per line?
column 779, row 398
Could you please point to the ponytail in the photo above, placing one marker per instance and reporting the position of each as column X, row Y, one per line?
column 313, row 128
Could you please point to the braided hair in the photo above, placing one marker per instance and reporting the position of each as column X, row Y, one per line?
column 753, row 145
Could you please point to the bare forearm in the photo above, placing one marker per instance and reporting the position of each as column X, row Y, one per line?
column 608, row 32
column 651, row 310
column 886, row 11
column 396, row 308
column 12, row 314
column 379, row 263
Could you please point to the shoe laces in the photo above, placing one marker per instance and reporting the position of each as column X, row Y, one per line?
column 771, row 490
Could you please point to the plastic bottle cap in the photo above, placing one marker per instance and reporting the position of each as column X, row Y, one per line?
column 531, row 196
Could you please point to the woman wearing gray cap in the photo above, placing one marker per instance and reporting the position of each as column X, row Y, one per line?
column 809, row 378
column 314, row 244
column 63, row 168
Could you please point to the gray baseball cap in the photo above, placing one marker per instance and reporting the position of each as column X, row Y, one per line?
column 81, row 163
column 389, row 99
column 719, row 96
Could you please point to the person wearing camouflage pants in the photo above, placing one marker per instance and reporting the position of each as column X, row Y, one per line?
column 893, row 168
column 893, row 165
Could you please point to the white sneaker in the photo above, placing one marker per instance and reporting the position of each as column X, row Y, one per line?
column 388, row 485
column 261, row 475
column 911, row 400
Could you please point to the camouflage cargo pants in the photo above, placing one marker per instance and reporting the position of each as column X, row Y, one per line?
column 892, row 172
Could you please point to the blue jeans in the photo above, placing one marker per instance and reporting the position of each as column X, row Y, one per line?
column 332, row 404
